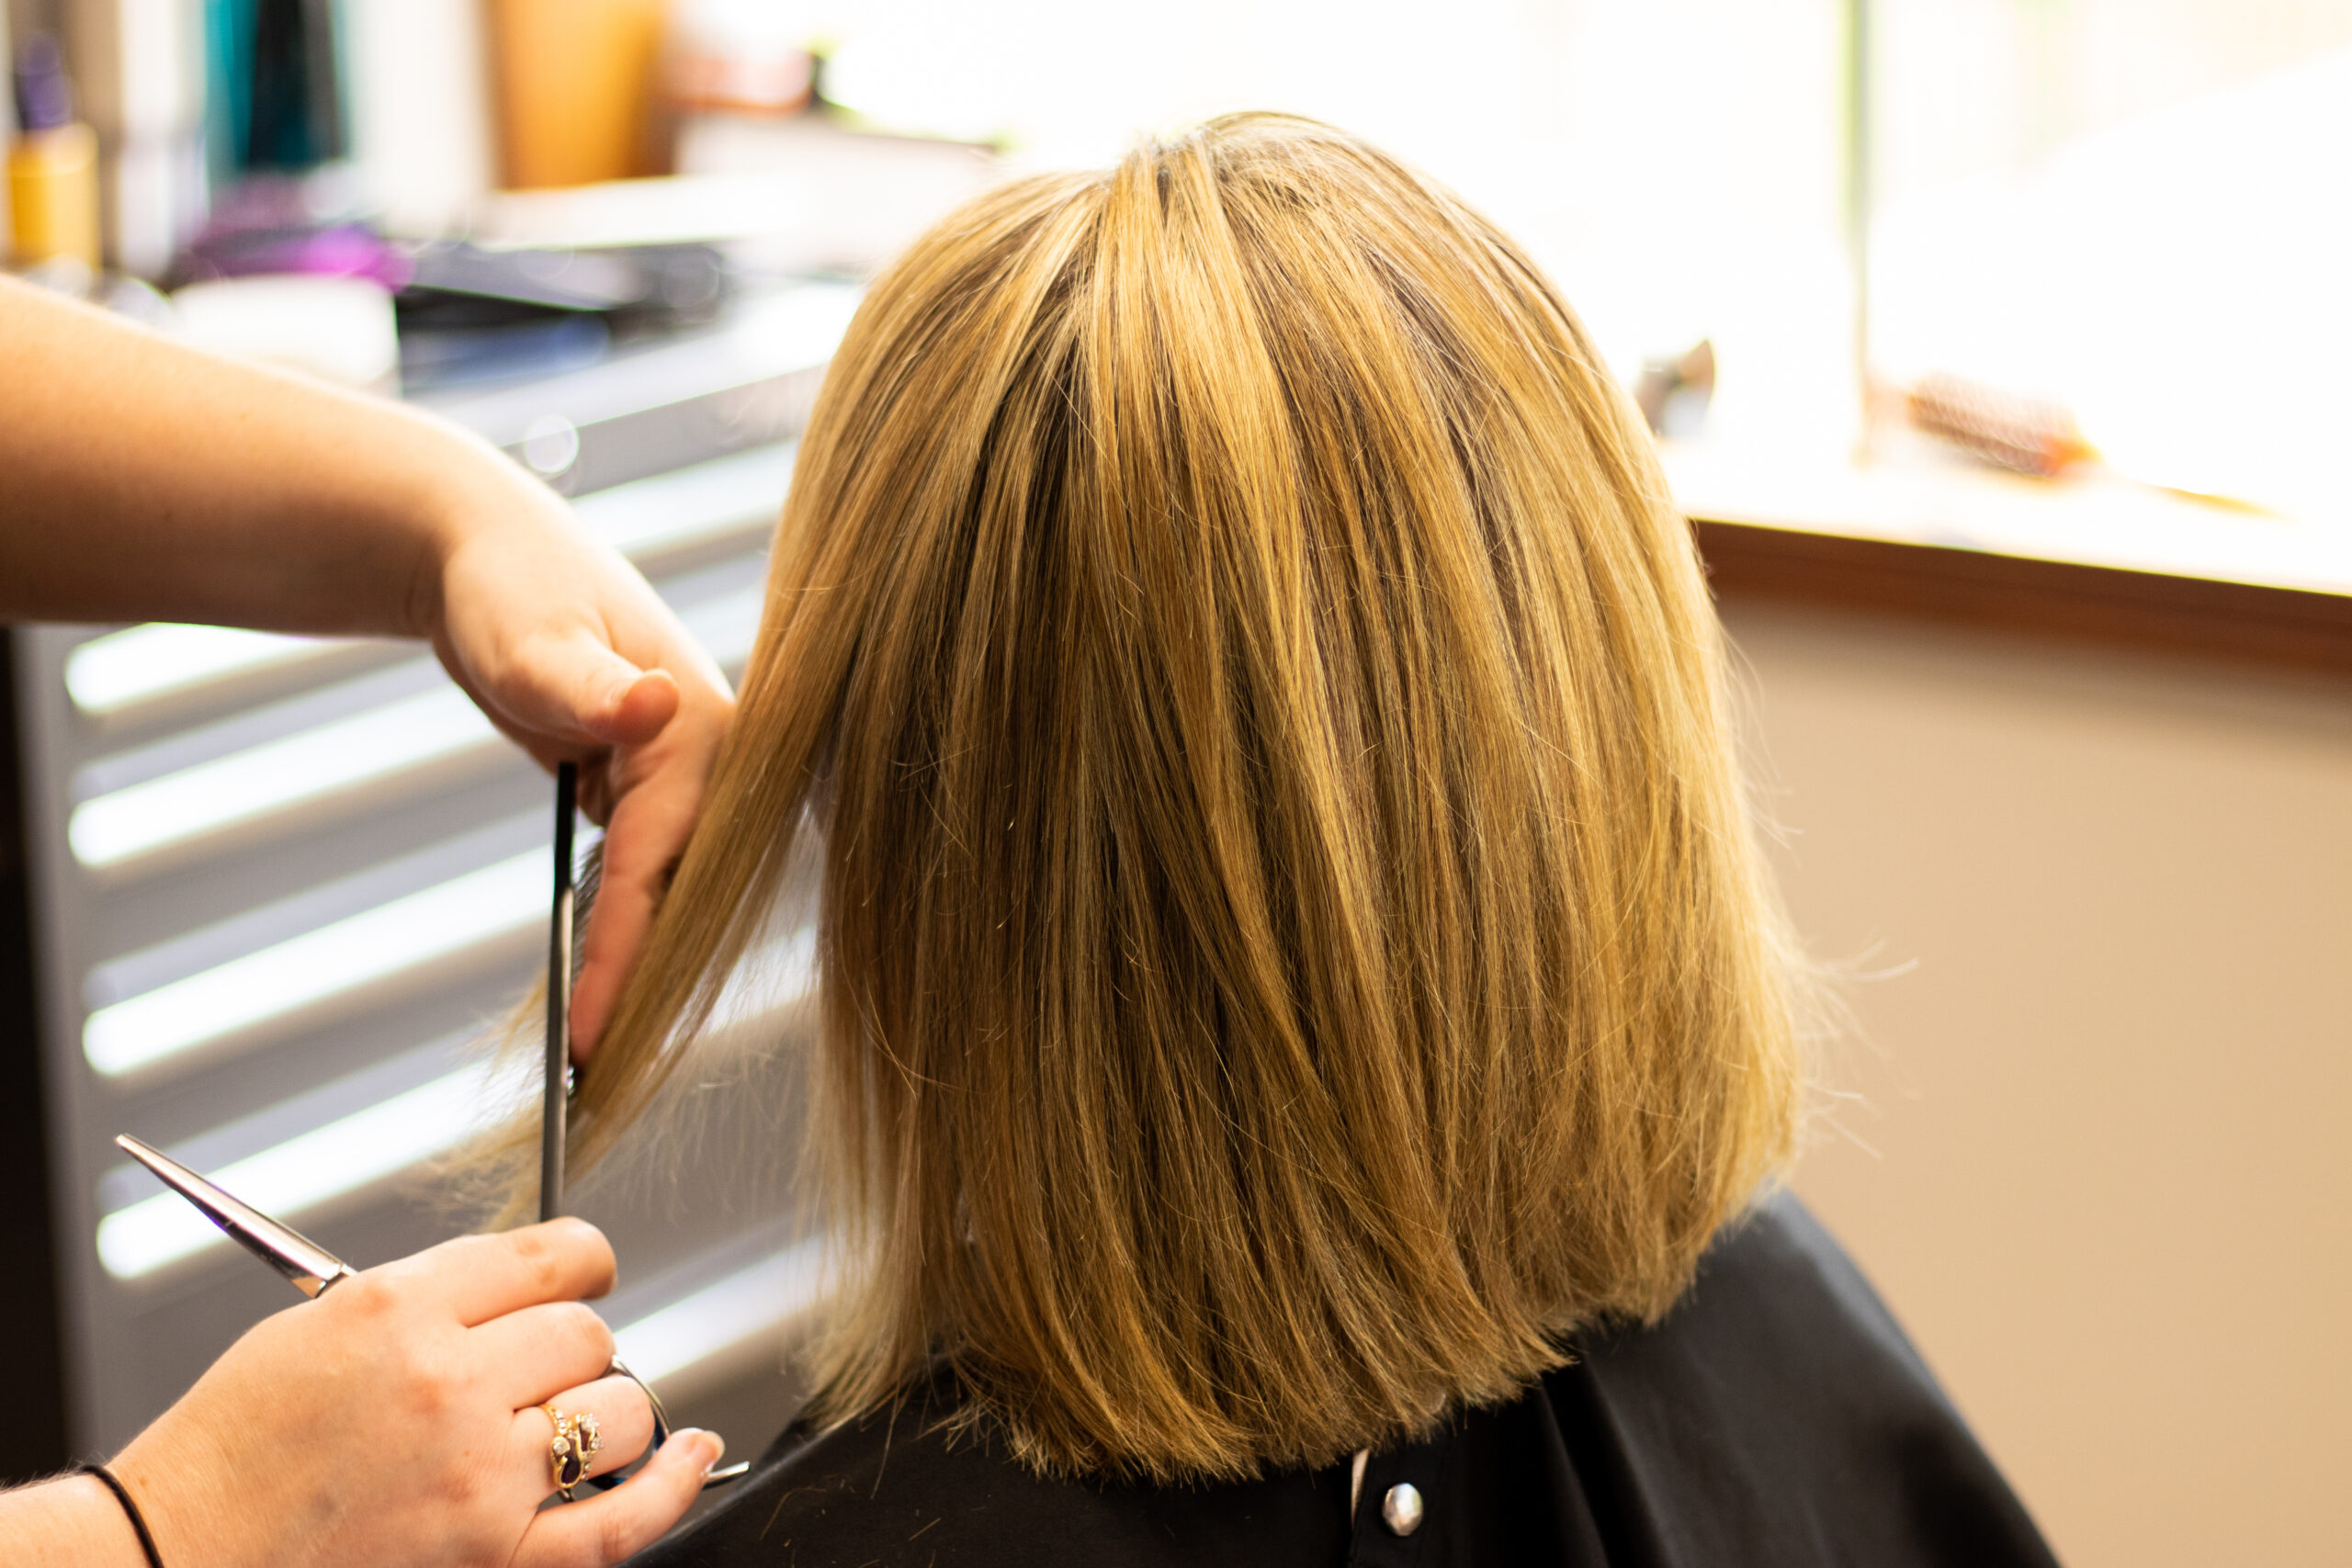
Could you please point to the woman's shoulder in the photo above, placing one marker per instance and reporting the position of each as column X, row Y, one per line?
column 1777, row 1415
column 909, row 1484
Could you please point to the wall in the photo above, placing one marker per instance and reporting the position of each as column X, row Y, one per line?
column 2098, row 1152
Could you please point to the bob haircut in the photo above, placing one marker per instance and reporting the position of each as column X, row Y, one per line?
column 1292, row 944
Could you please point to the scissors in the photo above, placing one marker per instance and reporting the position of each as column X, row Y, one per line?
column 313, row 1270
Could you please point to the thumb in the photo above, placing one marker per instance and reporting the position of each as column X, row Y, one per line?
column 631, row 1517
column 644, row 706
column 577, row 688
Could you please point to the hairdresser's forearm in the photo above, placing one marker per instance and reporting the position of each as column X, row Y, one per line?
column 74, row 1523
column 146, row 481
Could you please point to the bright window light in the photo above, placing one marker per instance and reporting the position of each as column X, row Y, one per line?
column 723, row 1315
column 314, row 1169
column 180, row 810
column 305, row 1172
column 110, row 674
column 310, row 972
column 690, row 506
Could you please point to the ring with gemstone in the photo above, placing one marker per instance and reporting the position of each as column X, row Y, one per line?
column 575, row 1442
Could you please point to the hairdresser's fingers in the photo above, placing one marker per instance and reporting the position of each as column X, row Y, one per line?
column 558, row 639
column 625, row 1520
column 647, row 833
column 643, row 709
column 478, row 1277
column 527, row 1355
column 625, row 1418
column 624, row 1424
column 572, row 688
column 617, row 927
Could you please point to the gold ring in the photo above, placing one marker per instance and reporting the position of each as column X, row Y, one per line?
column 575, row 1442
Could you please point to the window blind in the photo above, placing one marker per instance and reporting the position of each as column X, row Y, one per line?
column 282, row 884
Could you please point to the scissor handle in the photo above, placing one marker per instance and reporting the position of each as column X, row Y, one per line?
column 606, row 1483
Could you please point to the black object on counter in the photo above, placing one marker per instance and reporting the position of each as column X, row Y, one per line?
column 474, row 314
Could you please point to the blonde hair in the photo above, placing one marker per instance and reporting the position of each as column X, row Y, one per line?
column 1291, row 941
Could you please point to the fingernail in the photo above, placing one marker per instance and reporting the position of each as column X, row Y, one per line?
column 712, row 1446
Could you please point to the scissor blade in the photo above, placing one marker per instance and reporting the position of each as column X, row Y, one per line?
column 309, row 1267
column 555, row 1109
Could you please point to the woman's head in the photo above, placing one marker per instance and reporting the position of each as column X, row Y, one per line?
column 1291, row 943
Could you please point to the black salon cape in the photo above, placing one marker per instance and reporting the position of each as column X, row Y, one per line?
column 1777, row 1415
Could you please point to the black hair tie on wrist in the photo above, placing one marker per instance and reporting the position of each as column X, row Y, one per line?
column 123, row 1495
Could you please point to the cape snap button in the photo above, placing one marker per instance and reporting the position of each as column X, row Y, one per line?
column 1401, row 1509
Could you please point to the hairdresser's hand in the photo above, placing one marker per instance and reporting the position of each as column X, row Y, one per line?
column 396, row 1422
column 572, row 655
column 147, row 481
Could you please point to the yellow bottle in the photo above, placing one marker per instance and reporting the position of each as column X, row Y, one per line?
column 52, row 167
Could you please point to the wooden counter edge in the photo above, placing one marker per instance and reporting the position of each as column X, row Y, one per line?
column 2150, row 612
